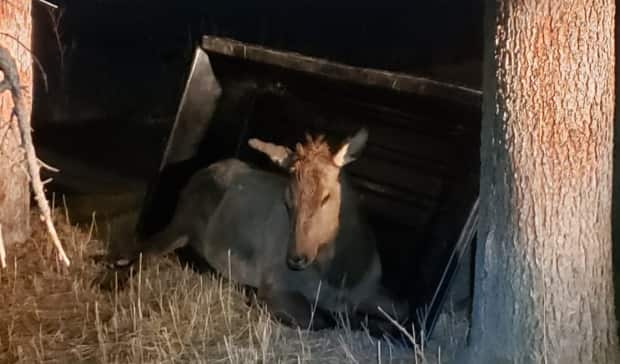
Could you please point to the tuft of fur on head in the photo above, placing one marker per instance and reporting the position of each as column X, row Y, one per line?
column 315, row 150
column 309, row 163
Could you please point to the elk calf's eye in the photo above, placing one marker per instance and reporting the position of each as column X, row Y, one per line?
column 324, row 200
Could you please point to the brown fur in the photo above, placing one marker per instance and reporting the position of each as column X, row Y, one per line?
column 314, row 177
column 308, row 168
column 290, row 238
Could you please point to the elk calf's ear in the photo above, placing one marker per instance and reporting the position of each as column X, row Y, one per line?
column 351, row 149
column 281, row 156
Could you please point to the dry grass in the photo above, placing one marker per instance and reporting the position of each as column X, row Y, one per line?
column 51, row 314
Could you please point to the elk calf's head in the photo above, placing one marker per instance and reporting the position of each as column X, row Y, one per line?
column 313, row 195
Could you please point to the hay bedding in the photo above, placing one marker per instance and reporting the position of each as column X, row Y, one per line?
column 51, row 314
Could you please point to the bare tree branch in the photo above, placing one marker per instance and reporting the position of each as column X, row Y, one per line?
column 2, row 250
column 56, row 19
column 51, row 5
column 36, row 60
column 9, row 68
column 48, row 167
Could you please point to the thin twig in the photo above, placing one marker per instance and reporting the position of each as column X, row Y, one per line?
column 56, row 18
column 36, row 60
column 2, row 250
column 8, row 66
column 47, row 166
column 398, row 325
column 314, row 306
column 54, row 6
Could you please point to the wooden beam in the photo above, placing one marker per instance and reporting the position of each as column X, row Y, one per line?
column 342, row 72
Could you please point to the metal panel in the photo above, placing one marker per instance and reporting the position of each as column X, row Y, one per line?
column 198, row 103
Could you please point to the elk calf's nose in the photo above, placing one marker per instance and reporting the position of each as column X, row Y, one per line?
column 297, row 262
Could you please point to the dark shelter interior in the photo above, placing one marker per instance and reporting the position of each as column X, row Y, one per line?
column 418, row 176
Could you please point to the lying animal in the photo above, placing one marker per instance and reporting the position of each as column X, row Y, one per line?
column 299, row 241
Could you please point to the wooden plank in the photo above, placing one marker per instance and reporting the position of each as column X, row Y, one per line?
column 364, row 76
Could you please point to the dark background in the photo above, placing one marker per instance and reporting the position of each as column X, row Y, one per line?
column 127, row 59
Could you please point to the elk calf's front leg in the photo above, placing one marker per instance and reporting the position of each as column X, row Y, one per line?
column 293, row 309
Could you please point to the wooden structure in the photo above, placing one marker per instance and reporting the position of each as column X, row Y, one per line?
column 418, row 176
